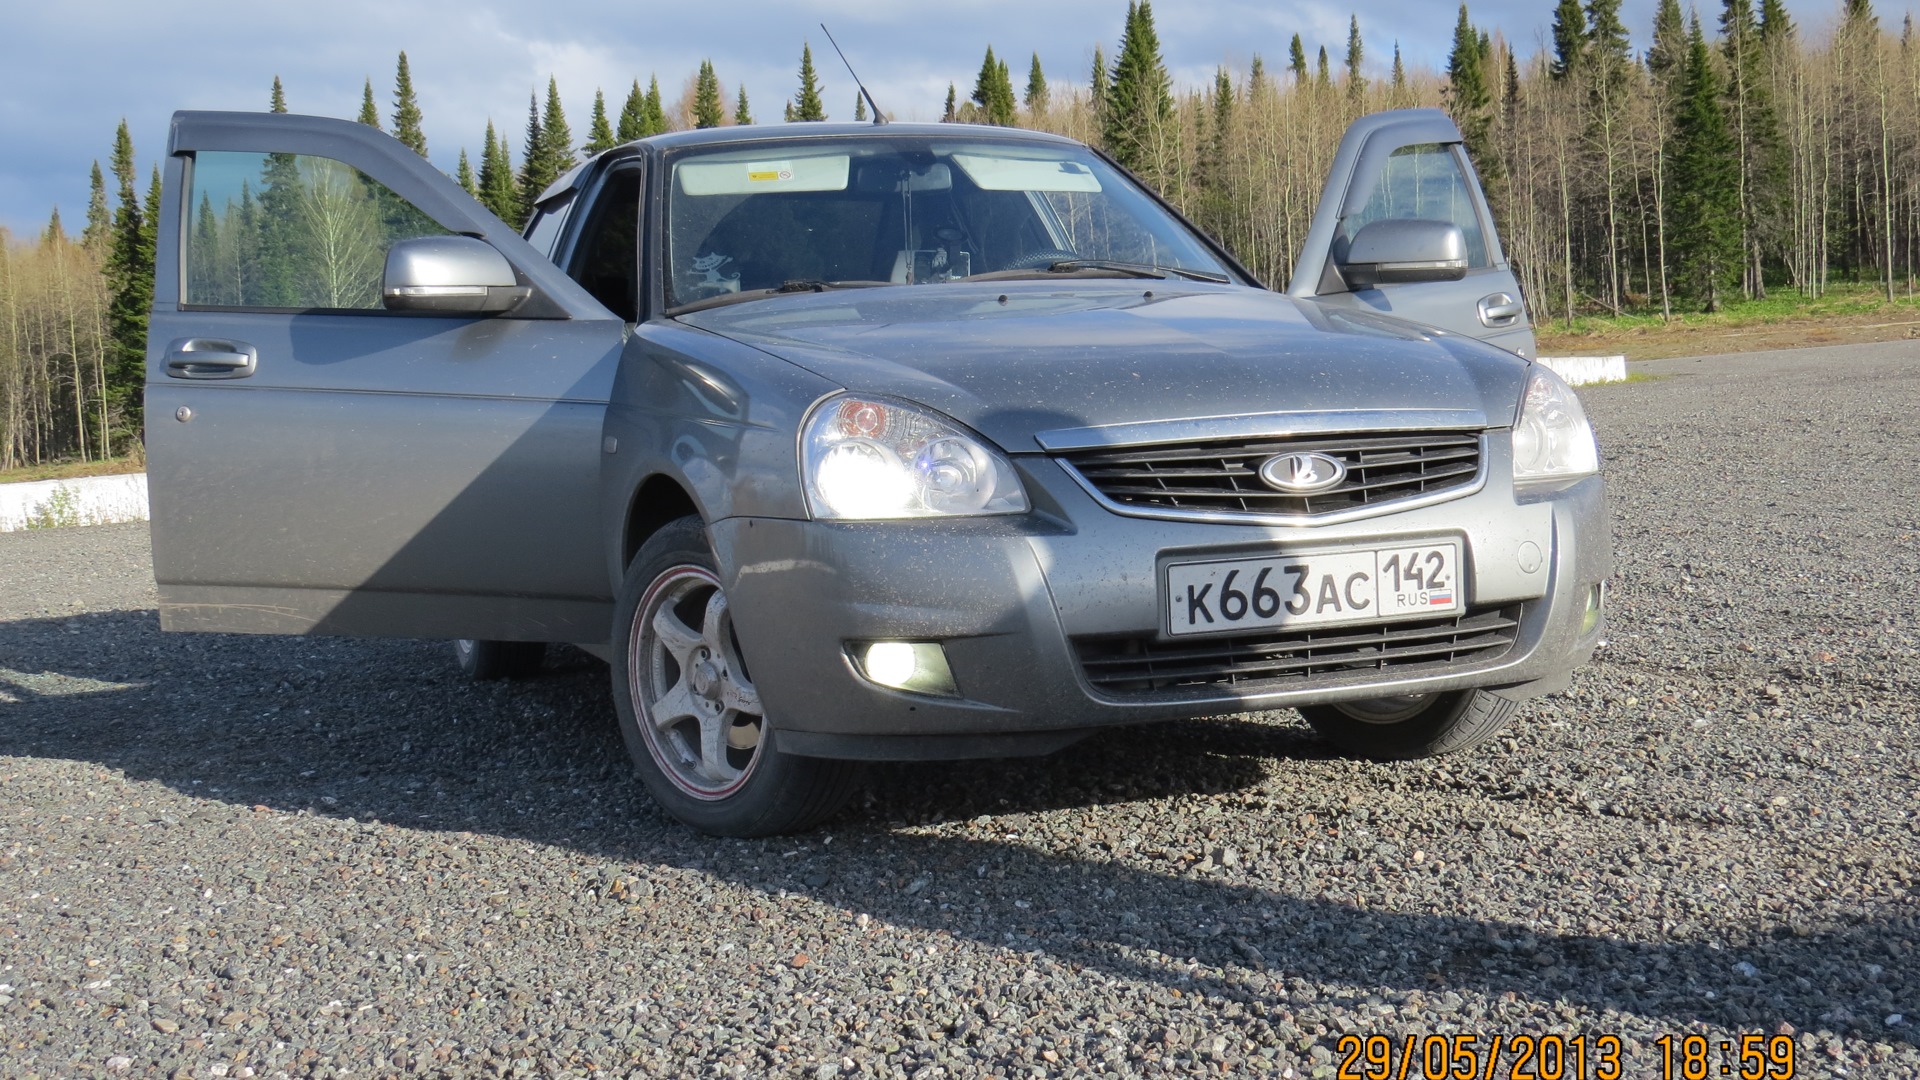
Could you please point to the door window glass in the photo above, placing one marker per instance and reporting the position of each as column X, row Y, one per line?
column 1424, row 181
column 291, row 231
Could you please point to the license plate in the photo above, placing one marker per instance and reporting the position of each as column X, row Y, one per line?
column 1320, row 589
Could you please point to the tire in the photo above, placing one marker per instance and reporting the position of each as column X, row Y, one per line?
column 1424, row 725
column 688, row 710
column 484, row 661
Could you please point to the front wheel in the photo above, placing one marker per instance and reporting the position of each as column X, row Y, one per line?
column 689, row 712
column 1412, row 726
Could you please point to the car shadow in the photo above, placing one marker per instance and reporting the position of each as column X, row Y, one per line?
column 387, row 730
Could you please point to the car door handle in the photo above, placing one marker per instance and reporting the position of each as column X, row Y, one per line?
column 1500, row 309
column 211, row 358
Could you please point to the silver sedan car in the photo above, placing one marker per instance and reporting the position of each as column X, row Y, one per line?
column 848, row 443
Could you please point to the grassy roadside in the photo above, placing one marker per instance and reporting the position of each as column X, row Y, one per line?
column 1846, row 315
column 73, row 470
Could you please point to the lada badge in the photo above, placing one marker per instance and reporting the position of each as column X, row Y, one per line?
column 1302, row 473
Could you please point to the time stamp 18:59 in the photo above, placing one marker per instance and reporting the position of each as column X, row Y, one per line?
column 1750, row 1056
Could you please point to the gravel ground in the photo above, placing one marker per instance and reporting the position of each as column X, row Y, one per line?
column 231, row 856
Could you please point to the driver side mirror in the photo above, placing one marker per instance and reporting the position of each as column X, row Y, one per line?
column 450, row 275
column 1396, row 251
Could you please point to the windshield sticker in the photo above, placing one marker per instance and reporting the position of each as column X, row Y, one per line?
column 827, row 172
column 714, row 280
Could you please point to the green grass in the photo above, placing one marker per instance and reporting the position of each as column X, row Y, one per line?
column 73, row 470
column 1843, row 301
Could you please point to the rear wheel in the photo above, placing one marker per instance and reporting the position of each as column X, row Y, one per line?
column 689, row 711
column 487, row 660
column 1414, row 725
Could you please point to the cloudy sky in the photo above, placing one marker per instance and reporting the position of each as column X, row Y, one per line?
column 70, row 70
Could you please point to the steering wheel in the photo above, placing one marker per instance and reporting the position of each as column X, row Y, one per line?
column 1033, row 260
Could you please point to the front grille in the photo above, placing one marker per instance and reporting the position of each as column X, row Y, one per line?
column 1294, row 659
column 1223, row 475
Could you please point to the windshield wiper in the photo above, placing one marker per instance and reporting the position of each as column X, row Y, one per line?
column 1142, row 269
column 1099, row 268
column 792, row 285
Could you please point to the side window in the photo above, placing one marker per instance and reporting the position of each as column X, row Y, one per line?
column 1424, row 181
column 291, row 231
column 605, row 256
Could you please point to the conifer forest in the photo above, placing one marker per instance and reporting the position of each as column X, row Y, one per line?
column 1737, row 155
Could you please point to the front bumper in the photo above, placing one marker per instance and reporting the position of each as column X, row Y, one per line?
column 1008, row 597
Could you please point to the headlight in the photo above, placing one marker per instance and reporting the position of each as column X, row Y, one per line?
column 867, row 458
column 1551, row 437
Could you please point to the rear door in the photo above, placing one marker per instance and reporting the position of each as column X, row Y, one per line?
column 1412, row 163
column 341, row 468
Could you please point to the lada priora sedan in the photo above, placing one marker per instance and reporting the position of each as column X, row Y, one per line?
column 871, row 442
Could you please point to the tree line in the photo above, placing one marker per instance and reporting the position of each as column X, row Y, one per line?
column 1736, row 154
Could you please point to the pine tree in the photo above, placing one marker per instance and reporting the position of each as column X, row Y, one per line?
column 406, row 109
column 99, row 230
column 1569, row 37
column 1214, row 170
column 536, row 169
column 1356, row 83
column 806, row 105
column 742, row 114
column 599, row 130
column 1140, row 98
column 859, row 107
column 1703, row 193
column 1399, row 82
column 1775, row 24
column 1036, row 96
column 553, row 125
column 1607, row 42
column 55, row 233
column 464, row 174
column 993, row 92
column 1667, row 56
column 708, row 112
column 1297, row 61
column 1097, row 84
column 129, row 274
column 1256, row 78
column 656, row 112
column 1763, row 163
column 633, row 115
column 951, row 114
column 1469, row 94
column 369, row 109
column 1322, row 72
column 498, row 190
column 278, row 101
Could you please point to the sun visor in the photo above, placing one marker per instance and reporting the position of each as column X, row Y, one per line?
column 991, row 173
column 823, row 172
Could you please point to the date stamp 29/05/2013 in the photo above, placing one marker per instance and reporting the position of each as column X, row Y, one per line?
column 1749, row 1056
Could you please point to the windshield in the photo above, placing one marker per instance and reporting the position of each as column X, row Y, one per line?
column 902, row 210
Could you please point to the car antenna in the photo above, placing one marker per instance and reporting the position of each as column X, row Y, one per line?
column 878, row 116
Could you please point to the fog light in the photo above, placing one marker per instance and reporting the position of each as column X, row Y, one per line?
column 1596, row 604
column 916, row 666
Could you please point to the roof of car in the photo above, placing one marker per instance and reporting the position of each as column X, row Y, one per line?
column 764, row 132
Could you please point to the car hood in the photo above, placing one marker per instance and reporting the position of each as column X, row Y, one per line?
column 1015, row 359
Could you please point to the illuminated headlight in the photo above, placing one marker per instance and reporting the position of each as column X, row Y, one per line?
column 865, row 458
column 1551, row 437
column 916, row 666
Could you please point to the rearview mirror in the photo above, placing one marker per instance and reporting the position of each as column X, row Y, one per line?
column 450, row 274
column 1395, row 251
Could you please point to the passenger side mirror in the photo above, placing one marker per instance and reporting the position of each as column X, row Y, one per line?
column 1395, row 251
column 450, row 275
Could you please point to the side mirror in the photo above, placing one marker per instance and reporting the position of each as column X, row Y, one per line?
column 450, row 274
column 1394, row 251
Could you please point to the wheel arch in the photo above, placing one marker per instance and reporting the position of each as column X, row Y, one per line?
column 658, row 500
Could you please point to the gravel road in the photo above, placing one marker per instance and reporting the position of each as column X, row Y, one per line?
column 233, row 856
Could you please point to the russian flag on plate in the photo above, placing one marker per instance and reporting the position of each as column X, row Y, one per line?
column 1440, row 599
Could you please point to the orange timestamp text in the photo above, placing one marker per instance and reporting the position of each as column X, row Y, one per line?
column 1558, row 1057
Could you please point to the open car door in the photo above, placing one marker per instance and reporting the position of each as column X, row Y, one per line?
column 372, row 408
column 1403, row 229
